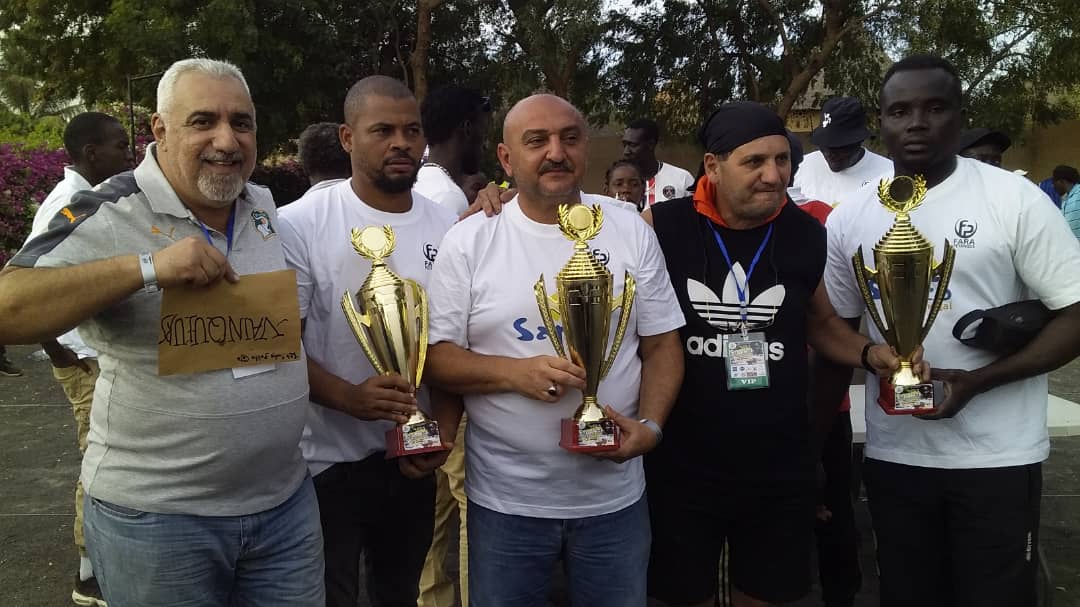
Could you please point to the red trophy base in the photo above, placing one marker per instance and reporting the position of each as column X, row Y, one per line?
column 589, row 437
column 413, row 439
column 905, row 400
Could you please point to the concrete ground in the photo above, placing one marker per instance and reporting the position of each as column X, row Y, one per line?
column 39, row 462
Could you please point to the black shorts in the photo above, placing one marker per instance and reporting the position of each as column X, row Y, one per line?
column 955, row 537
column 770, row 540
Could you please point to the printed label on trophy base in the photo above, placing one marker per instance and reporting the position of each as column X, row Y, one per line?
column 413, row 439
column 906, row 400
column 589, row 437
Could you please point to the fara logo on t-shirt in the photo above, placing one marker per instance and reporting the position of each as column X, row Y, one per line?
column 725, row 315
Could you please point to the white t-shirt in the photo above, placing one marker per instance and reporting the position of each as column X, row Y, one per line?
column 315, row 235
column 482, row 299
column 58, row 198
column 669, row 182
column 432, row 182
column 1008, row 243
column 818, row 182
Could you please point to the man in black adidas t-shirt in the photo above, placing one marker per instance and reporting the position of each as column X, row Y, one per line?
column 736, row 464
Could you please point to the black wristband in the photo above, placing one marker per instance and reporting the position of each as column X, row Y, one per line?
column 865, row 357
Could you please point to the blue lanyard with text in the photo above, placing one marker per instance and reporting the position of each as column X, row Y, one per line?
column 742, row 289
column 228, row 231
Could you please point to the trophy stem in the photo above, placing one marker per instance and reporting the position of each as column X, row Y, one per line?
column 589, row 411
column 905, row 376
column 417, row 418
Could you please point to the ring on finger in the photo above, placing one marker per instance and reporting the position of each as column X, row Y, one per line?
column 553, row 390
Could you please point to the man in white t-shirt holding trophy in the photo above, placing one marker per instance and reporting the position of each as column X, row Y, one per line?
column 841, row 165
column 532, row 502
column 663, row 180
column 370, row 507
column 955, row 493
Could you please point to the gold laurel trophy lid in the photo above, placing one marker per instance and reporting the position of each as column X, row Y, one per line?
column 391, row 326
column 584, row 304
column 904, row 273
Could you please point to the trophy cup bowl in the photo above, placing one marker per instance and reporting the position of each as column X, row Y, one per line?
column 584, row 303
column 904, row 272
column 391, row 326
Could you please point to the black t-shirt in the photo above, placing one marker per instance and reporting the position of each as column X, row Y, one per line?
column 746, row 440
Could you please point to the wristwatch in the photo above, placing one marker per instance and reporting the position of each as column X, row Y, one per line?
column 655, row 427
column 149, row 274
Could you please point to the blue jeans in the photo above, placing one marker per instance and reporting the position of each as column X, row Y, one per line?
column 511, row 558
column 143, row 559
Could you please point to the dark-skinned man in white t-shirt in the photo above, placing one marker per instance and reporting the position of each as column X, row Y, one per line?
column 955, row 493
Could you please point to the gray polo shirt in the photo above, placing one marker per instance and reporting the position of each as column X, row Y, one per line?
column 205, row 443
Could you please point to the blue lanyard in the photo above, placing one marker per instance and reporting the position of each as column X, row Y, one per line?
column 742, row 289
column 228, row 231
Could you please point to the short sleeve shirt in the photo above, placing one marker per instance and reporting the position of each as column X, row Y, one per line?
column 482, row 299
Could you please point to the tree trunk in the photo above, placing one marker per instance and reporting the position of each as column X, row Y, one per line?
column 418, row 59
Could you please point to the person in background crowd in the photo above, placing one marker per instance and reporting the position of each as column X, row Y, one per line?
column 500, row 179
column 622, row 181
column 1066, row 185
column 97, row 145
column 841, row 165
column 837, row 536
column 1047, row 186
column 738, row 468
column 371, row 508
column 456, row 121
column 472, row 183
column 662, row 180
column 7, row 368
column 957, row 520
column 984, row 145
column 321, row 155
column 178, row 510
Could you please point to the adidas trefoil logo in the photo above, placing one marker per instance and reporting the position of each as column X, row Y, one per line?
column 723, row 312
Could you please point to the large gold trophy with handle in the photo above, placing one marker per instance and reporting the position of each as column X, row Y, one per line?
column 392, row 328
column 584, row 305
column 905, row 271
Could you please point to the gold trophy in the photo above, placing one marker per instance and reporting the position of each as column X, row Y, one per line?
column 904, row 259
column 392, row 328
column 584, row 304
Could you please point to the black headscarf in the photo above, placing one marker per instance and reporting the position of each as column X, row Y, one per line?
column 736, row 123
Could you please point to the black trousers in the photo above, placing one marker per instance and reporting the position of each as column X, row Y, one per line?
column 369, row 509
column 838, row 539
column 956, row 538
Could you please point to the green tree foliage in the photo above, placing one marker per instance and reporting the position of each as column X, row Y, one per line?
column 1018, row 59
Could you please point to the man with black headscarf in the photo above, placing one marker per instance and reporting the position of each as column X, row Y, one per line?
column 738, row 462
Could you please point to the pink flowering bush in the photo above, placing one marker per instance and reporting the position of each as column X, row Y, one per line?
column 27, row 175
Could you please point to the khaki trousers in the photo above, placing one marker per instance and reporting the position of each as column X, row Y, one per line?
column 436, row 588
column 78, row 386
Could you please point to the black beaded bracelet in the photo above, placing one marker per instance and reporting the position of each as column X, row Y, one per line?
column 865, row 357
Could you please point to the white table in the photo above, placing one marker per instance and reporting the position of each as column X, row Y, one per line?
column 1062, row 416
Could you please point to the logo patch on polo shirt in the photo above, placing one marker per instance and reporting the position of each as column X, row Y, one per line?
column 261, row 219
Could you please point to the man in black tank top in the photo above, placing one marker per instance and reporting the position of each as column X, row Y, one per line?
column 737, row 463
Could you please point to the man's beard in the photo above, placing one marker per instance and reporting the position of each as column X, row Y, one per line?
column 220, row 188
column 394, row 185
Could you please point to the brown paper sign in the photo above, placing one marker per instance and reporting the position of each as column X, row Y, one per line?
column 253, row 322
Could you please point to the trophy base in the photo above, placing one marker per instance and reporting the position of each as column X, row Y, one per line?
column 906, row 400
column 589, row 437
column 413, row 439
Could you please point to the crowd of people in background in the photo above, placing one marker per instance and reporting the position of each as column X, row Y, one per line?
column 219, row 488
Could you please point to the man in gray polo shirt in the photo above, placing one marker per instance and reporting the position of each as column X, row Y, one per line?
column 197, row 493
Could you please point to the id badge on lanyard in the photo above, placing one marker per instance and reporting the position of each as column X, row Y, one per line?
column 747, row 359
column 746, row 354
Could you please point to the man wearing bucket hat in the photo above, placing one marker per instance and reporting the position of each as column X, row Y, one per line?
column 841, row 165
